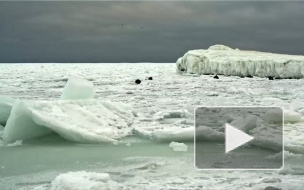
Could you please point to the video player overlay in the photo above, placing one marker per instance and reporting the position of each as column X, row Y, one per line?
column 249, row 138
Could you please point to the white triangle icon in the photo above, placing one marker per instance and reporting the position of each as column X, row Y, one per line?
column 235, row 138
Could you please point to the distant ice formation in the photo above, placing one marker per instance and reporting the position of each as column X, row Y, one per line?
column 223, row 60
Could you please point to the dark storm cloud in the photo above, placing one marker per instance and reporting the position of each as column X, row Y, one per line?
column 93, row 31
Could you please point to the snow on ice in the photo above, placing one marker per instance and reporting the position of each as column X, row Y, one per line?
column 223, row 60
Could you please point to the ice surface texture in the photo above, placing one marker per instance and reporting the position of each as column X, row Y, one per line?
column 223, row 60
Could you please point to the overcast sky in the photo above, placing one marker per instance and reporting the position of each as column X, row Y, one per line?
column 93, row 31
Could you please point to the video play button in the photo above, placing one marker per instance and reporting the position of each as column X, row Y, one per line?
column 235, row 138
column 222, row 133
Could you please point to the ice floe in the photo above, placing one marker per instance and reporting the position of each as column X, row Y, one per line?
column 86, row 121
column 178, row 147
column 78, row 89
column 223, row 60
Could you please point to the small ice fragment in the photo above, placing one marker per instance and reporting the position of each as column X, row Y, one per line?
column 78, row 89
column 17, row 143
column 83, row 180
column 178, row 146
column 291, row 116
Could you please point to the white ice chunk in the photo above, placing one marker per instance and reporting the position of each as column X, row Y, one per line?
column 17, row 143
column 83, row 180
column 180, row 147
column 223, row 60
column 6, row 104
column 185, row 134
column 20, row 124
column 273, row 116
column 291, row 116
column 78, row 89
column 86, row 121
column 173, row 133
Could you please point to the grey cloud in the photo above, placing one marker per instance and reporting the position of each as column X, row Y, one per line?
column 93, row 31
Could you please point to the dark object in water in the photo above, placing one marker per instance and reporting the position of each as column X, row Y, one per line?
column 137, row 81
column 270, row 78
column 182, row 69
column 216, row 77
column 249, row 76
column 150, row 78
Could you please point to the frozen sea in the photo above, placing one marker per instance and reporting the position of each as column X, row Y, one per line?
column 138, row 162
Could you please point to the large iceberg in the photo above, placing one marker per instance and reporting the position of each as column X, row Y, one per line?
column 222, row 60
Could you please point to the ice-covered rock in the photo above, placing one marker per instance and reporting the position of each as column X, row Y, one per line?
column 179, row 147
column 173, row 134
column 83, row 180
column 77, row 88
column 223, row 60
column 6, row 104
column 86, row 121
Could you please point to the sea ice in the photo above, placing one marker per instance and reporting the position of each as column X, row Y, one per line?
column 77, row 88
column 86, row 121
column 83, row 180
column 245, row 124
column 179, row 147
column 273, row 116
column 6, row 104
column 291, row 116
column 223, row 60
